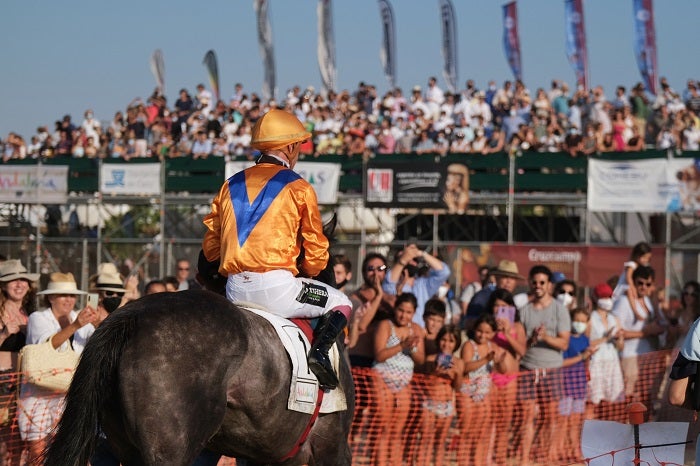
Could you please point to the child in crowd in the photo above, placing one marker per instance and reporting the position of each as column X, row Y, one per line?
column 573, row 405
column 481, row 358
column 445, row 377
column 606, row 384
column 640, row 255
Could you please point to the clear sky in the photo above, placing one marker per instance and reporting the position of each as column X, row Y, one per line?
column 62, row 57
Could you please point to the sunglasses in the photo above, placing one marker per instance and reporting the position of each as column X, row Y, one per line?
column 110, row 294
column 538, row 282
column 690, row 293
column 371, row 268
column 570, row 293
column 183, row 268
column 646, row 283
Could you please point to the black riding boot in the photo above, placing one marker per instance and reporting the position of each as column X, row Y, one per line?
column 332, row 324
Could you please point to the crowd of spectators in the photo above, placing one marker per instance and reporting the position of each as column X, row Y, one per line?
column 525, row 367
column 363, row 122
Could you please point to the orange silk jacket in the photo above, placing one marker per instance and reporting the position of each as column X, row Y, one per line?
column 259, row 221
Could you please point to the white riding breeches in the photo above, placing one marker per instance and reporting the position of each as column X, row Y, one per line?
column 283, row 294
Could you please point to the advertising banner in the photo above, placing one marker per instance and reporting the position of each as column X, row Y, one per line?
column 132, row 179
column 36, row 184
column 324, row 177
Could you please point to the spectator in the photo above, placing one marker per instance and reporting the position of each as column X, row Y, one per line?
column 572, row 406
column 640, row 325
column 202, row 146
column 398, row 346
column 481, row 360
column 510, row 335
column 155, row 286
column 171, row 283
column 566, row 292
column 547, row 325
column 42, row 408
column 506, row 276
column 606, row 334
column 17, row 302
column 414, row 271
column 185, row 282
column 639, row 255
column 342, row 269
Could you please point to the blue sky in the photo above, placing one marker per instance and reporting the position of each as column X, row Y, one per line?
column 67, row 56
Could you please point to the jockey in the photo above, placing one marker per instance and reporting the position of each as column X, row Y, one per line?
column 260, row 220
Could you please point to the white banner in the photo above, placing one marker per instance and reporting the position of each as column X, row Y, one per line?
column 635, row 186
column 130, row 178
column 324, row 177
column 34, row 184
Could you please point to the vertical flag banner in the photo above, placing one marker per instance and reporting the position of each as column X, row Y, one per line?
column 645, row 42
column 326, row 45
column 511, row 39
column 213, row 71
column 266, row 49
column 158, row 70
column 387, row 54
column 449, row 43
column 576, row 50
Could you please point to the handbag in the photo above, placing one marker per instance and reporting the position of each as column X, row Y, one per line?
column 46, row 367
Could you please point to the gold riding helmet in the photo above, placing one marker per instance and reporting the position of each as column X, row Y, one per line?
column 276, row 129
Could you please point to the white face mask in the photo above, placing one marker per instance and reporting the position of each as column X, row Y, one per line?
column 605, row 304
column 565, row 299
column 578, row 327
column 442, row 291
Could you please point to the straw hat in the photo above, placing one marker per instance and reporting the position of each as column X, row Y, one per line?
column 13, row 270
column 107, row 278
column 62, row 283
column 507, row 268
column 276, row 129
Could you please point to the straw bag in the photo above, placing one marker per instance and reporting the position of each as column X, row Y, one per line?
column 46, row 367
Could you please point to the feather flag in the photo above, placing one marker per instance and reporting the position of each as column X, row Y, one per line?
column 326, row 45
column 158, row 70
column 213, row 70
column 645, row 42
column 576, row 49
column 511, row 39
column 266, row 49
column 387, row 54
column 449, row 43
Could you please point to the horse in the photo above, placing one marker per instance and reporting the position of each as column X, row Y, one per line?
column 171, row 374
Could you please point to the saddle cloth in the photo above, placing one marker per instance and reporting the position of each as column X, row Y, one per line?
column 304, row 387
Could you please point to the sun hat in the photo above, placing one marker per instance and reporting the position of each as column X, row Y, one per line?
column 13, row 269
column 107, row 278
column 61, row 283
column 276, row 129
column 507, row 268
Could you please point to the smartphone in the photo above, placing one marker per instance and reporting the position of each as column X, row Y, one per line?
column 506, row 312
column 92, row 300
column 444, row 360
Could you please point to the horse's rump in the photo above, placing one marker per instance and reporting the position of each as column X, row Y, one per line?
column 173, row 373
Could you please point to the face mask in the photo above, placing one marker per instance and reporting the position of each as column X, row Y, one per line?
column 513, row 113
column 111, row 303
column 565, row 299
column 579, row 327
column 89, row 116
column 442, row 291
column 605, row 304
column 341, row 284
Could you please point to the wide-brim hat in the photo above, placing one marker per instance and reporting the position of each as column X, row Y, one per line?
column 276, row 129
column 507, row 268
column 62, row 283
column 13, row 269
column 107, row 278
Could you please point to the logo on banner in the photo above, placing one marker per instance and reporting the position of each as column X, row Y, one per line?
column 380, row 185
column 117, row 178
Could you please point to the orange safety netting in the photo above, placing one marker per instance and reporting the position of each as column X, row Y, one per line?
column 430, row 423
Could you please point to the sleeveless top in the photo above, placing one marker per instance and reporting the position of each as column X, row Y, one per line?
column 501, row 380
column 479, row 383
column 397, row 370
